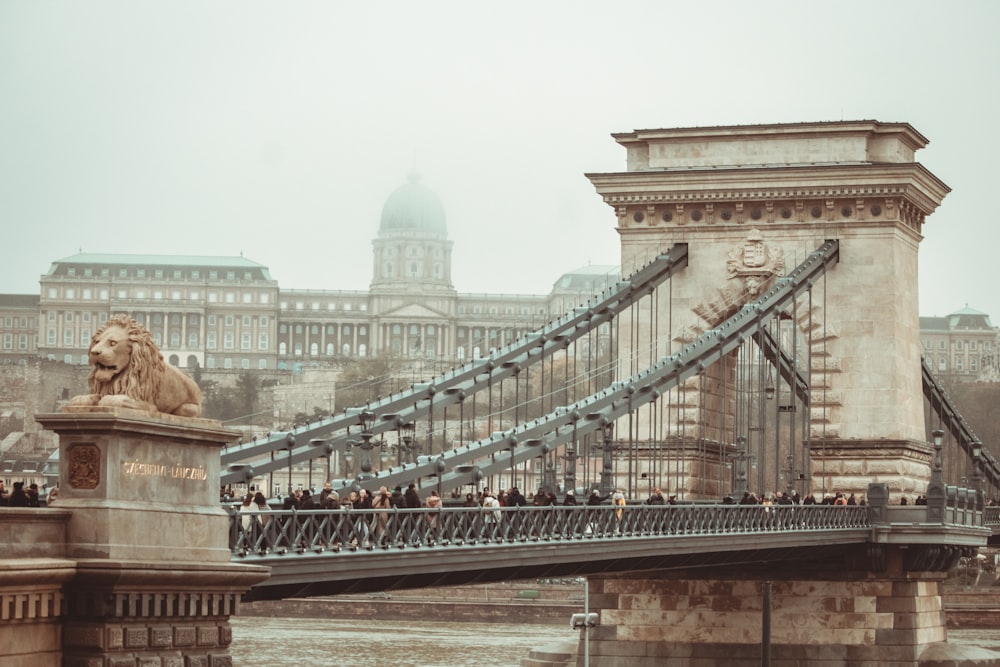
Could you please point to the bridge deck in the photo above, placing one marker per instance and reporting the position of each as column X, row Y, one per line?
column 320, row 552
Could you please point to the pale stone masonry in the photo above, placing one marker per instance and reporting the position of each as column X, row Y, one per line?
column 752, row 202
column 133, row 567
column 682, row 619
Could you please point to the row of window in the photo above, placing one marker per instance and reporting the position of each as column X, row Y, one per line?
column 346, row 306
column 329, row 350
column 495, row 310
column 22, row 341
column 345, row 350
column 413, row 271
column 159, row 274
column 211, row 339
column 69, row 337
column 363, row 307
column 83, row 335
column 972, row 345
column 960, row 362
column 395, row 330
column 22, row 322
column 213, row 296
column 229, row 363
column 314, row 329
column 252, row 297
column 413, row 251
column 228, row 341
column 156, row 320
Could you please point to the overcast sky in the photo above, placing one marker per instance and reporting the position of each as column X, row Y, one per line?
column 278, row 129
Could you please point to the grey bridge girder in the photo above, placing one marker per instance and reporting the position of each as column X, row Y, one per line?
column 787, row 368
column 454, row 386
column 960, row 430
column 367, row 571
column 325, row 552
column 531, row 439
column 483, row 564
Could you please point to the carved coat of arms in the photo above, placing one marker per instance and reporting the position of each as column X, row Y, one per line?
column 755, row 263
column 83, row 465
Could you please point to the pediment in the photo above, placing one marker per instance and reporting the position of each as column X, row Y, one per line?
column 412, row 311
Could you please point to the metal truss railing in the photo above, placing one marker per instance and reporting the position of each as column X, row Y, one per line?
column 277, row 534
column 472, row 461
column 942, row 405
column 456, row 385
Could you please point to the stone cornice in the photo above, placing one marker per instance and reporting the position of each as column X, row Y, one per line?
column 905, row 131
column 103, row 419
column 911, row 182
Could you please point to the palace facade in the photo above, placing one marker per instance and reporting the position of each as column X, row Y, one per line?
column 961, row 346
column 230, row 313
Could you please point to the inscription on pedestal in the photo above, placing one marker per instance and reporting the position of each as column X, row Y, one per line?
column 137, row 468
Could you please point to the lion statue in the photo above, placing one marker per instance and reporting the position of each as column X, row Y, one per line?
column 128, row 371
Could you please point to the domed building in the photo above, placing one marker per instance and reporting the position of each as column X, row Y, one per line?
column 229, row 313
column 412, row 300
column 412, row 249
column 413, row 208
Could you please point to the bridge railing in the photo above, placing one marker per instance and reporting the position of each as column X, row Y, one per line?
column 274, row 533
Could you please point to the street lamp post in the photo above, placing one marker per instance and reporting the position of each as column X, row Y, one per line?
column 790, row 472
column 569, row 473
column 289, row 444
column 410, row 445
column 977, row 459
column 607, row 447
column 741, row 465
column 570, row 456
column 327, row 447
column 349, row 459
column 511, row 445
column 367, row 420
column 936, row 491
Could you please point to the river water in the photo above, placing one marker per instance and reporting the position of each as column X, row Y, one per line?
column 312, row 642
column 317, row 642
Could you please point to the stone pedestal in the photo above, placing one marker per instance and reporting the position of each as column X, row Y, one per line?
column 140, row 487
column 153, row 582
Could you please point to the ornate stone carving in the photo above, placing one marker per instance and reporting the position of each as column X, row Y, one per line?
column 84, row 466
column 755, row 263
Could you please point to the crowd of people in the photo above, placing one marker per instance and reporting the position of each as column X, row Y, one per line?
column 380, row 527
column 793, row 498
column 304, row 499
column 24, row 496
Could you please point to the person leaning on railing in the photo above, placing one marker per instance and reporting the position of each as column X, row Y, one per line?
column 433, row 503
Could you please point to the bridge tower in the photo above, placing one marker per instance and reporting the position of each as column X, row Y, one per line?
column 751, row 201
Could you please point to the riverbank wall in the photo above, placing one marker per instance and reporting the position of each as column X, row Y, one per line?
column 507, row 602
column 541, row 603
column 972, row 609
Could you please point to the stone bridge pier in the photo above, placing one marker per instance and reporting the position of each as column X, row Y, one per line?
column 131, row 568
column 829, row 614
column 850, row 605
